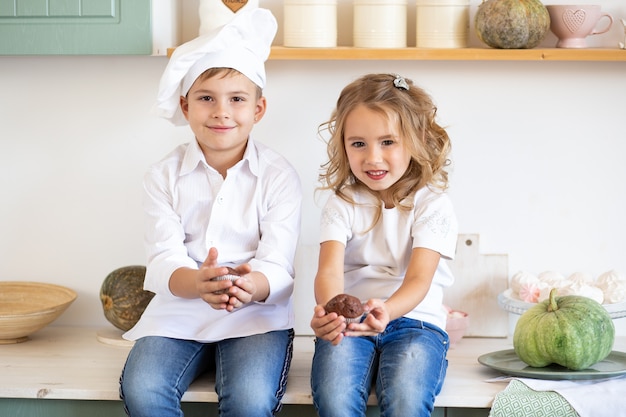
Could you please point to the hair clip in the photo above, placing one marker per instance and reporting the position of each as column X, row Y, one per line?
column 400, row 83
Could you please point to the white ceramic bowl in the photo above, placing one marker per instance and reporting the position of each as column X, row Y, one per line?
column 26, row 307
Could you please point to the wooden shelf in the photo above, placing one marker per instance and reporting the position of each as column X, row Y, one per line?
column 460, row 54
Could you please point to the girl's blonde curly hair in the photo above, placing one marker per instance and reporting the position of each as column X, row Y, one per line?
column 413, row 109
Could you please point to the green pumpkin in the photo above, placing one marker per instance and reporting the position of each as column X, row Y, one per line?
column 512, row 24
column 572, row 331
column 123, row 297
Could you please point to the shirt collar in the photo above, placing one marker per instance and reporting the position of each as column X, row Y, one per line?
column 194, row 156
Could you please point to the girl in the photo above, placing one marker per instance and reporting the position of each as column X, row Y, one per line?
column 386, row 231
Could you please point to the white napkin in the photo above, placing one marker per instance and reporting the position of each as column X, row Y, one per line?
column 590, row 398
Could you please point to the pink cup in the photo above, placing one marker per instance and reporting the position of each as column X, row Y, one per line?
column 573, row 23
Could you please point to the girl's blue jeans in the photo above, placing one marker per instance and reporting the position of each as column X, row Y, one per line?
column 250, row 374
column 407, row 363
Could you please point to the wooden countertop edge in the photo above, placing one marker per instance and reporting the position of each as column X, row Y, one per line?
column 451, row 54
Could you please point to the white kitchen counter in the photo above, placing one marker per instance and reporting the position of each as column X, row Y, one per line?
column 71, row 363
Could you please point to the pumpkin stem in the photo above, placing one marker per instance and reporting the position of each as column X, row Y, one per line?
column 552, row 305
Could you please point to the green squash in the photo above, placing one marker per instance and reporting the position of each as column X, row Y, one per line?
column 123, row 297
column 512, row 24
column 572, row 331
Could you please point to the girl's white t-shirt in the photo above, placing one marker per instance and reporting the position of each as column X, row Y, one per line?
column 376, row 258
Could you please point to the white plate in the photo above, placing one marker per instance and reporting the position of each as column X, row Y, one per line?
column 516, row 306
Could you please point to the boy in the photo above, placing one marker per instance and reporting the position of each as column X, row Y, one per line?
column 222, row 206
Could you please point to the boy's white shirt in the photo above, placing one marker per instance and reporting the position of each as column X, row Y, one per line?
column 252, row 215
column 376, row 261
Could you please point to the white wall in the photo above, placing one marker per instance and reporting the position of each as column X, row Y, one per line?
column 538, row 152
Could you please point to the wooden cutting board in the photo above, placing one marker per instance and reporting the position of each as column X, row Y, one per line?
column 113, row 336
column 478, row 281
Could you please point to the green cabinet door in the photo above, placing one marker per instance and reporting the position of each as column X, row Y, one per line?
column 75, row 27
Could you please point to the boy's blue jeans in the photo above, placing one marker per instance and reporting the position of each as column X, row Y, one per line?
column 408, row 362
column 250, row 374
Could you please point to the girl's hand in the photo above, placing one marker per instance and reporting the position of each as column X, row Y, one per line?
column 375, row 321
column 328, row 327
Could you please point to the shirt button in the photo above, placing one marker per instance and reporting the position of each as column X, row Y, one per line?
column 220, row 200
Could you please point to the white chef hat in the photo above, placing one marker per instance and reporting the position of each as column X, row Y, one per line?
column 242, row 44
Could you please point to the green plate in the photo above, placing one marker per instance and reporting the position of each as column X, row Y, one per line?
column 507, row 362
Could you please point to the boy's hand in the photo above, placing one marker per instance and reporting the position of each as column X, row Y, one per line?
column 241, row 290
column 327, row 326
column 223, row 294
